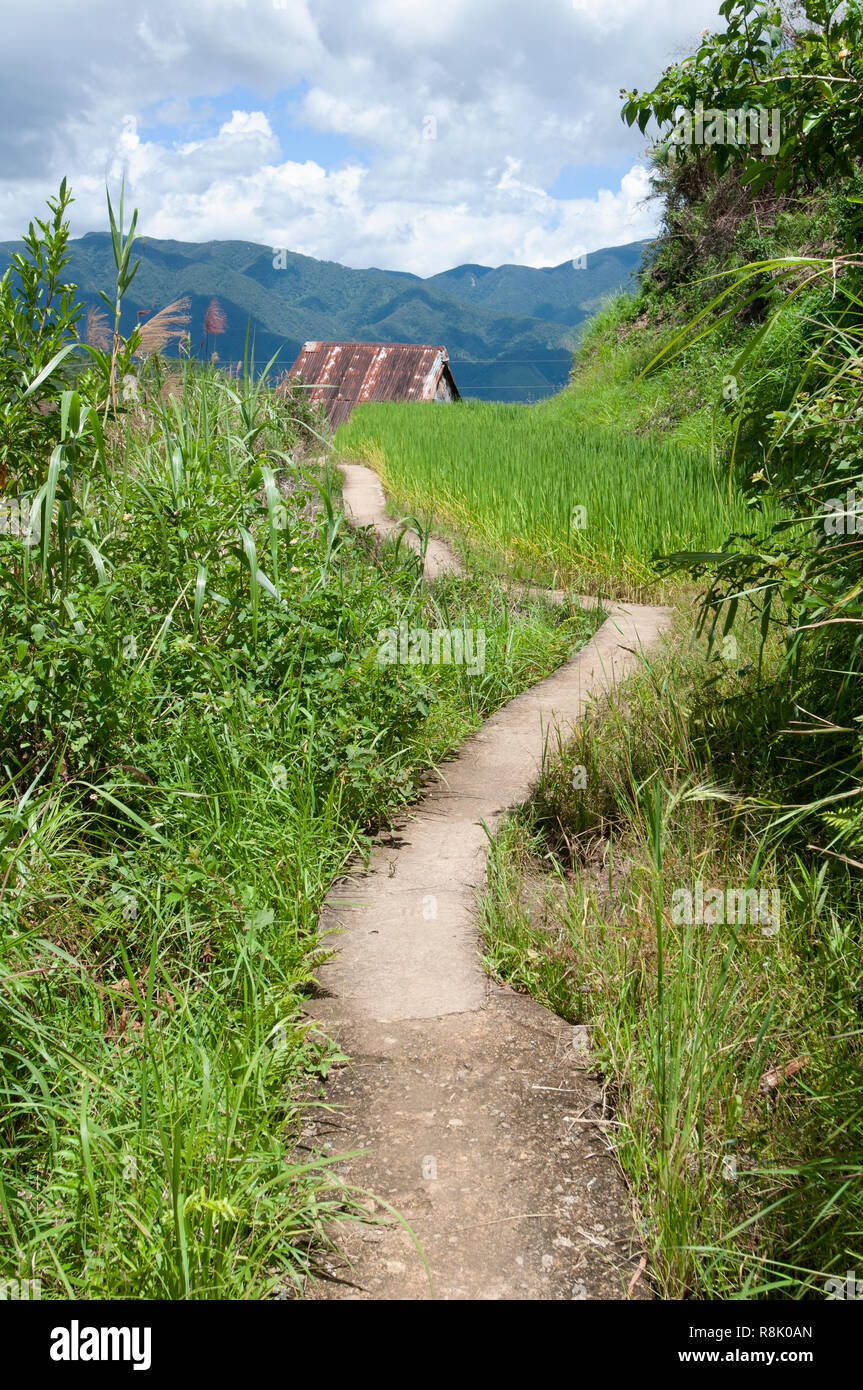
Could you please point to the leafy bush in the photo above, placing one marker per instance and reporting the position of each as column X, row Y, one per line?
column 38, row 317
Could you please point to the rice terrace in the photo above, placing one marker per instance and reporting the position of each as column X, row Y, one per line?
column 431, row 811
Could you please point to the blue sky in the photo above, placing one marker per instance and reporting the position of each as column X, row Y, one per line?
column 398, row 133
column 298, row 141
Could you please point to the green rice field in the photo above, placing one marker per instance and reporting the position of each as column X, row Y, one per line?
column 536, row 492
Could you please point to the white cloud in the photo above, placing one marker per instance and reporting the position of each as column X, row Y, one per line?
column 461, row 113
column 246, row 123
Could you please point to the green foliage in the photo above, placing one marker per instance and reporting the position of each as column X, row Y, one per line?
column 197, row 735
column 811, row 73
column 804, row 578
column 778, row 297
column 781, row 303
column 38, row 317
column 735, row 204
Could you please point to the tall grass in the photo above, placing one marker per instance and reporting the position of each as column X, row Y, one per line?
column 546, row 495
column 197, row 735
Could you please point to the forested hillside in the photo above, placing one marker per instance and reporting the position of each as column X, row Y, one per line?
column 510, row 331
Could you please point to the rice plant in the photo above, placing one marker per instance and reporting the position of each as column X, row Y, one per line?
column 548, row 497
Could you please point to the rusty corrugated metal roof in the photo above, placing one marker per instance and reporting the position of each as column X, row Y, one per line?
column 343, row 375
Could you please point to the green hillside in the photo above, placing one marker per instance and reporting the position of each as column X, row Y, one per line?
column 564, row 294
column 510, row 331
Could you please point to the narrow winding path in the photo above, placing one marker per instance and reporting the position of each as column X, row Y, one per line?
column 472, row 1104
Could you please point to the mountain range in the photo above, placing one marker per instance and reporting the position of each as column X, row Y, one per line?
column 510, row 331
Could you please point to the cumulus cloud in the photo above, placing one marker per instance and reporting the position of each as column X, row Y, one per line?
column 434, row 132
column 246, row 123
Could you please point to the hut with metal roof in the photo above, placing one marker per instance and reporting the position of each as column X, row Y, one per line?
column 342, row 375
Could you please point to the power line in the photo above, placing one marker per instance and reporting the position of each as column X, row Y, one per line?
column 509, row 362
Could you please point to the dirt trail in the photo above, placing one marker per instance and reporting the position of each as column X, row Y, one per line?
column 476, row 1106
